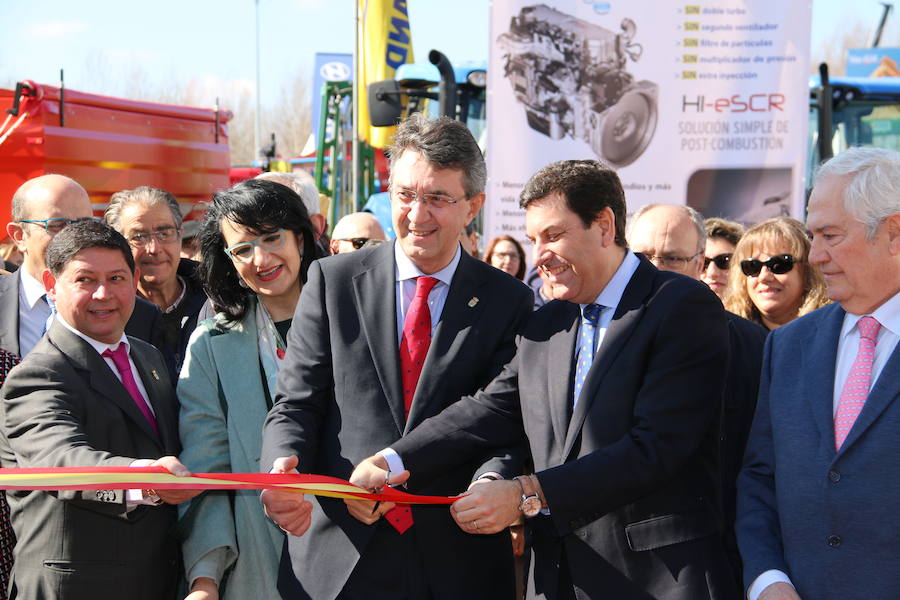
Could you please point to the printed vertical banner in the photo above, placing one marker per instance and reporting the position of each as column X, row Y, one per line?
column 697, row 103
column 385, row 43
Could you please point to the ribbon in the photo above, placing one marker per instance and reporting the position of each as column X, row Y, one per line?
column 158, row 478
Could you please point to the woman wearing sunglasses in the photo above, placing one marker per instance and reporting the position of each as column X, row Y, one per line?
column 721, row 238
column 771, row 281
column 256, row 243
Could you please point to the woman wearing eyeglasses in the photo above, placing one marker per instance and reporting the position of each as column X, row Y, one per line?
column 505, row 253
column 771, row 281
column 257, row 243
column 721, row 238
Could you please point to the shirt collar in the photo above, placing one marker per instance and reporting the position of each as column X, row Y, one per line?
column 888, row 314
column 32, row 289
column 407, row 270
column 99, row 346
column 612, row 292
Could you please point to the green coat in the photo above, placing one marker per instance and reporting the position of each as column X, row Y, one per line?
column 222, row 412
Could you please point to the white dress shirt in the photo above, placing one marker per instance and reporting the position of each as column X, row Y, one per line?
column 33, row 311
column 406, row 273
column 888, row 314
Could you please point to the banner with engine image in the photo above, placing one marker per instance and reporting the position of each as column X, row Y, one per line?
column 698, row 103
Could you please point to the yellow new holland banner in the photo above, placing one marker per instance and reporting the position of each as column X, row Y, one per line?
column 384, row 43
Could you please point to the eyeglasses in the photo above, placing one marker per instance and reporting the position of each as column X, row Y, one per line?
column 163, row 235
column 722, row 261
column 671, row 262
column 358, row 242
column 243, row 251
column 406, row 197
column 54, row 226
column 778, row 265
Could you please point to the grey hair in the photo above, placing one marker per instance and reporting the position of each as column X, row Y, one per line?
column 302, row 187
column 871, row 195
column 445, row 143
column 695, row 217
column 145, row 195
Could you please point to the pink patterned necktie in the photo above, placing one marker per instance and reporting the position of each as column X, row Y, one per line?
column 413, row 347
column 119, row 357
column 856, row 388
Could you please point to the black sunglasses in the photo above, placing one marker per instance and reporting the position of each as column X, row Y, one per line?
column 778, row 265
column 357, row 242
column 722, row 261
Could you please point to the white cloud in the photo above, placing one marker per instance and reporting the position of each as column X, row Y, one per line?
column 51, row 30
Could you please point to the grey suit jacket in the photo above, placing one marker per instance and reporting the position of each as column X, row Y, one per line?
column 145, row 323
column 339, row 401
column 64, row 407
column 826, row 518
column 630, row 475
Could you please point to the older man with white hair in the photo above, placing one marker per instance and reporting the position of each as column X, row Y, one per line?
column 817, row 502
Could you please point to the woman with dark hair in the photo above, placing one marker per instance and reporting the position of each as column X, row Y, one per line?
column 256, row 243
column 505, row 253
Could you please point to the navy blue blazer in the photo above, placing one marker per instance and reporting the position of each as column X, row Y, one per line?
column 828, row 519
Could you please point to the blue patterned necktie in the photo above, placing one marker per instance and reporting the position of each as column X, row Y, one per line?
column 590, row 317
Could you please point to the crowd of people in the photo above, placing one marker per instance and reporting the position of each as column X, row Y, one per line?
column 663, row 406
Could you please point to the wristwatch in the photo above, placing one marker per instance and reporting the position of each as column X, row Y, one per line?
column 531, row 502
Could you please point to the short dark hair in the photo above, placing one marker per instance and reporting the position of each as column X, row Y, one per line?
column 261, row 206
column 445, row 143
column 588, row 187
column 82, row 235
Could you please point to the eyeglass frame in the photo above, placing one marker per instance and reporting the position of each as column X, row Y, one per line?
column 142, row 239
column 717, row 259
column 358, row 242
column 45, row 223
column 683, row 260
column 437, row 201
column 755, row 265
column 256, row 243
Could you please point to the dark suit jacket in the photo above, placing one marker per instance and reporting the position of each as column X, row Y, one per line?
column 64, row 407
column 145, row 322
column 631, row 479
column 339, row 401
column 828, row 519
column 193, row 303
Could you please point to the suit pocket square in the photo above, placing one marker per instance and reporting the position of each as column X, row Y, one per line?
column 666, row 530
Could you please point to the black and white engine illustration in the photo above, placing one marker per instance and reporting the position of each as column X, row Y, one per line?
column 570, row 76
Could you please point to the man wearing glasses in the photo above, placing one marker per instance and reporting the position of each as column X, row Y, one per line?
column 673, row 237
column 353, row 231
column 41, row 208
column 150, row 219
column 382, row 339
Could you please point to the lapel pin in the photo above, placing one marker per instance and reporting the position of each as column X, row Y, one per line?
column 473, row 301
column 155, row 374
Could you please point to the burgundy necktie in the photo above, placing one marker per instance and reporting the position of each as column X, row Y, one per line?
column 413, row 348
column 856, row 388
column 119, row 357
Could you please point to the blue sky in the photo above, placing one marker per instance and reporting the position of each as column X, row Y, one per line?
column 101, row 43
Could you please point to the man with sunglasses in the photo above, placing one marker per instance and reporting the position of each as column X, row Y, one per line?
column 352, row 232
column 384, row 338
column 41, row 208
column 673, row 237
column 817, row 499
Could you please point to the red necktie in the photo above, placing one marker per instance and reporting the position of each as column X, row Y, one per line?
column 119, row 357
column 413, row 348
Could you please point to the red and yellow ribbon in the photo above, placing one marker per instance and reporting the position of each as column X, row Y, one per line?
column 158, row 478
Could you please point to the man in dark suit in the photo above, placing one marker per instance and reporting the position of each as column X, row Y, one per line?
column 150, row 220
column 41, row 208
column 373, row 353
column 611, row 384
column 817, row 498
column 89, row 396
column 673, row 237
